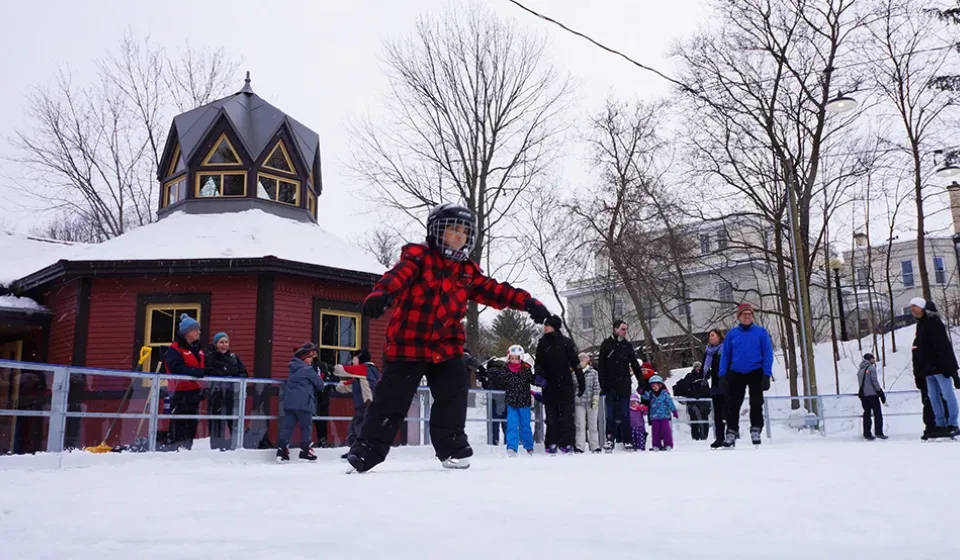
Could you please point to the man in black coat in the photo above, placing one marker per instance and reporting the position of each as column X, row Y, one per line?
column 556, row 356
column 617, row 357
column 935, row 362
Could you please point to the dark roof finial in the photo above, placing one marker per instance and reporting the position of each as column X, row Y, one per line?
column 246, row 84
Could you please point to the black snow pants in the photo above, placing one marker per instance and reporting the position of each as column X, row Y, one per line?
column 448, row 384
column 737, row 386
column 871, row 404
column 187, row 403
column 558, row 402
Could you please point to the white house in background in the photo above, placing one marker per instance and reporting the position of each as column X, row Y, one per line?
column 729, row 268
column 865, row 272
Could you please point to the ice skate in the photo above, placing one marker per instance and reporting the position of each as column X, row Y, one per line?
column 566, row 450
column 730, row 440
column 869, row 437
column 530, row 452
column 668, row 448
column 755, row 436
column 283, row 455
column 306, row 454
column 551, row 449
column 454, row 463
column 881, row 436
column 717, row 443
column 357, row 464
column 608, row 447
column 511, row 453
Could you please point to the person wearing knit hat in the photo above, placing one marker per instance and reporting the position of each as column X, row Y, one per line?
column 185, row 357
column 554, row 322
column 299, row 402
column 221, row 395
column 556, row 357
column 935, row 365
column 746, row 362
column 919, row 303
column 638, row 425
column 616, row 360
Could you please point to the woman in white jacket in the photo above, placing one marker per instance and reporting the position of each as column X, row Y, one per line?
column 587, row 408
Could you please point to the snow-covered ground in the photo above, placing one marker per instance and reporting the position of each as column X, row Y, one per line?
column 823, row 498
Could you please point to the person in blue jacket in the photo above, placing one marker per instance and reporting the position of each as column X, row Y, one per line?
column 746, row 362
column 300, row 402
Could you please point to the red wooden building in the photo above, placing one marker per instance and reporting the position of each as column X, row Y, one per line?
column 236, row 245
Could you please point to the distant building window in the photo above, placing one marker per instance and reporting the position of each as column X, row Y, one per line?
column 618, row 308
column 723, row 240
column 278, row 189
column 586, row 316
column 863, row 277
column 684, row 301
column 232, row 183
column 725, row 289
column 905, row 310
column 940, row 269
column 174, row 191
column 704, row 243
column 160, row 330
column 339, row 336
column 222, row 153
column 906, row 272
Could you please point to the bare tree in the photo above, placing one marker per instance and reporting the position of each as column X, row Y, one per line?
column 916, row 53
column 91, row 151
column 473, row 117
column 383, row 244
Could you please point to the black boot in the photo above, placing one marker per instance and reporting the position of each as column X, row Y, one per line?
column 283, row 455
column 717, row 444
column 307, row 454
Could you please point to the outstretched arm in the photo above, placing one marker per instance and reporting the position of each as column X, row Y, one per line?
column 402, row 275
column 498, row 295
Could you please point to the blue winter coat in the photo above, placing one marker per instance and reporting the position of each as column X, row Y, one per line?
column 747, row 349
column 300, row 390
column 373, row 377
column 661, row 404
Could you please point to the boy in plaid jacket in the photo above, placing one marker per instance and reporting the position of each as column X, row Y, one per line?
column 428, row 290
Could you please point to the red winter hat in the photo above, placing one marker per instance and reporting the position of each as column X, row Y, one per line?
column 648, row 367
column 745, row 306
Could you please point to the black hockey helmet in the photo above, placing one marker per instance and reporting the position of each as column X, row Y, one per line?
column 451, row 215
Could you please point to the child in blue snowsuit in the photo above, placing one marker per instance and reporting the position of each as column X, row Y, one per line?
column 516, row 376
column 661, row 408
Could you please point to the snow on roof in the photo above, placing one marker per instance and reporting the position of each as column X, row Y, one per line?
column 238, row 235
column 21, row 255
column 20, row 304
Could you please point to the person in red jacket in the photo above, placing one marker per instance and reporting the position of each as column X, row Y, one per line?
column 185, row 357
column 428, row 290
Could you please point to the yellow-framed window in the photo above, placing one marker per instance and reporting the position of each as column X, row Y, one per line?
column 176, row 163
column 279, row 159
column 312, row 203
column 340, row 336
column 160, row 328
column 174, row 190
column 278, row 189
column 221, row 184
column 222, row 153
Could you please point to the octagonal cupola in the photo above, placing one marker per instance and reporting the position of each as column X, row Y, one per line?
column 239, row 153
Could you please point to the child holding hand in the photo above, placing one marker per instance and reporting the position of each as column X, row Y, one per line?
column 638, row 428
column 661, row 408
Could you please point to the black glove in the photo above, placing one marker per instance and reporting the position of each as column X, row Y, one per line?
column 375, row 305
column 956, row 381
column 538, row 312
column 765, row 384
column 883, row 397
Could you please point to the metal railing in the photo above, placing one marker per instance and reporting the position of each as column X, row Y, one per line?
column 63, row 397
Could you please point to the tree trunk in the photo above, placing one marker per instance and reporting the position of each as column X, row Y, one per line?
column 789, row 351
column 921, row 235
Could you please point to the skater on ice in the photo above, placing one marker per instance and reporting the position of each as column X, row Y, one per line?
column 587, row 409
column 299, row 402
column 361, row 377
column 938, row 366
column 428, row 290
column 662, row 408
column 711, row 368
column 556, row 357
column 615, row 361
column 746, row 363
column 516, row 376
column 871, row 397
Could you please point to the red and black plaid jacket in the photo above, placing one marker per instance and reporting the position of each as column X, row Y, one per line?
column 429, row 296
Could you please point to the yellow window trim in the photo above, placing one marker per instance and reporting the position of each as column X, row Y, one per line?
column 223, row 138
column 173, row 163
column 312, row 204
column 148, row 326
column 166, row 189
column 286, row 157
column 359, row 323
column 196, row 189
column 286, row 180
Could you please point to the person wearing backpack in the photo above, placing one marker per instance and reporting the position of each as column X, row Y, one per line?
column 871, row 396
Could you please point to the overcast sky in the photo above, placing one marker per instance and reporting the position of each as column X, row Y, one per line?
column 318, row 61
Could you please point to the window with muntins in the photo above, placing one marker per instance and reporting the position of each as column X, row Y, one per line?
column 226, row 184
column 160, row 329
column 725, row 291
column 278, row 189
column 940, row 270
column 723, row 240
column 174, row 191
column 704, row 243
column 586, row 316
column 339, row 336
column 906, row 272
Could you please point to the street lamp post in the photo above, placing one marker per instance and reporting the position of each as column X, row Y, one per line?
column 843, row 318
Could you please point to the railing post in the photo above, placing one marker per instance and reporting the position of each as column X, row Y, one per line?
column 240, row 405
column 766, row 418
column 426, row 424
column 58, row 410
column 602, row 420
column 152, row 423
column 822, row 415
column 489, row 398
column 538, row 422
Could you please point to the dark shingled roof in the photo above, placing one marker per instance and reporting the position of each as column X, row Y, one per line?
column 254, row 120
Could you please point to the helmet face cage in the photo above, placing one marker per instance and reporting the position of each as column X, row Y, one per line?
column 437, row 228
